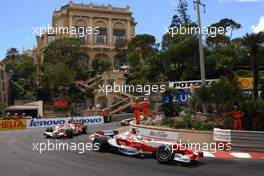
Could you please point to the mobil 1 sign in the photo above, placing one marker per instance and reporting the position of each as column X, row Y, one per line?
column 179, row 97
column 38, row 123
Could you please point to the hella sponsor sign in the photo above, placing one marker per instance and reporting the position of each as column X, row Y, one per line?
column 37, row 123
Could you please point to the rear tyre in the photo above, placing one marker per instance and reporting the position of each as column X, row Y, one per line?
column 164, row 154
column 84, row 130
column 69, row 133
column 49, row 129
column 100, row 144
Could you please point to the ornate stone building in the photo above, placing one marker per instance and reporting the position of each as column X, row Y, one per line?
column 109, row 24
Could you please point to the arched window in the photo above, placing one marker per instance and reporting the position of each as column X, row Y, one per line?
column 118, row 61
column 119, row 32
column 101, row 37
column 80, row 26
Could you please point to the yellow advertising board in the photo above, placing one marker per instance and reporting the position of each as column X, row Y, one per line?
column 13, row 124
column 246, row 82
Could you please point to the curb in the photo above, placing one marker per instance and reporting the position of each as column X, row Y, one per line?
column 238, row 155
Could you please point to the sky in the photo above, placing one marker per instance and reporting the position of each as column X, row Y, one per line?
column 18, row 17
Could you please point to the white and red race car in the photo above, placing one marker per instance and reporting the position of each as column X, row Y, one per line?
column 129, row 143
column 66, row 130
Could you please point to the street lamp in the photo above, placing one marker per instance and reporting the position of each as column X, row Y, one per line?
column 201, row 51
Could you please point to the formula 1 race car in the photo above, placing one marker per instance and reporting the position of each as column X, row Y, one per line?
column 125, row 122
column 66, row 130
column 133, row 144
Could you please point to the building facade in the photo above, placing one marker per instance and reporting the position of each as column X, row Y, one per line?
column 106, row 26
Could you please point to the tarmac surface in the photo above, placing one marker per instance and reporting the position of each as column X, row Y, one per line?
column 19, row 157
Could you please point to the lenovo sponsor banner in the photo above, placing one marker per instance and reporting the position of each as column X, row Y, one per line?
column 37, row 123
column 13, row 124
column 190, row 84
column 158, row 134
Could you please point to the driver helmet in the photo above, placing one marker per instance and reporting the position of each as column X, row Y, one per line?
column 70, row 120
column 133, row 131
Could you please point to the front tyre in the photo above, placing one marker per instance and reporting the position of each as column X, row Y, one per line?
column 49, row 129
column 164, row 154
column 100, row 144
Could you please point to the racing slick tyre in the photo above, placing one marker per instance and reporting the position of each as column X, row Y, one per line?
column 84, row 130
column 100, row 144
column 49, row 129
column 69, row 133
column 164, row 154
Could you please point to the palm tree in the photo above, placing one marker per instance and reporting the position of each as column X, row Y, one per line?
column 254, row 42
column 12, row 53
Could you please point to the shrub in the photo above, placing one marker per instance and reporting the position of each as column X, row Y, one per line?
column 60, row 108
column 167, row 122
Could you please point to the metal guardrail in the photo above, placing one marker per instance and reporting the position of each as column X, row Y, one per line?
column 241, row 139
column 119, row 117
column 221, row 135
column 247, row 140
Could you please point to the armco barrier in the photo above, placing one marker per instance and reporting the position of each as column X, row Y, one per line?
column 37, row 123
column 187, row 136
column 13, row 124
column 241, row 139
column 222, row 135
column 119, row 117
column 158, row 134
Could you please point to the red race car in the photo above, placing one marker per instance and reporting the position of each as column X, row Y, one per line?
column 66, row 130
column 130, row 143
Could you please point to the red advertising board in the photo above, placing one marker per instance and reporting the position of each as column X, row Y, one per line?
column 60, row 103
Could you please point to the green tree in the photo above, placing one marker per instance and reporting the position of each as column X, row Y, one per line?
column 182, row 9
column 217, row 96
column 214, row 39
column 222, row 61
column 143, row 43
column 254, row 43
column 69, row 51
column 122, row 52
column 12, row 54
column 100, row 65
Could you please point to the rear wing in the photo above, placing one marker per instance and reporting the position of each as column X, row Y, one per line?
column 107, row 132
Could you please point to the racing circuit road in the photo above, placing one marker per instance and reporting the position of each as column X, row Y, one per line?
column 19, row 159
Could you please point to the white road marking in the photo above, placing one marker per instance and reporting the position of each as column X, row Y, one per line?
column 207, row 154
column 241, row 155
